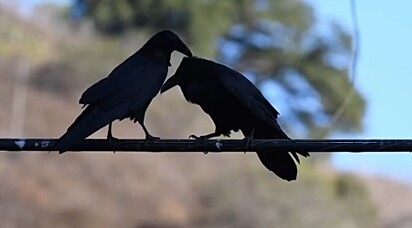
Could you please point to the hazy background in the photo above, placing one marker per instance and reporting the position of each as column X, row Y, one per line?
column 383, row 78
column 296, row 52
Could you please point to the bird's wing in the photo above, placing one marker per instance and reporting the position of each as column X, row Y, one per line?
column 127, row 94
column 247, row 93
column 139, row 90
column 122, row 77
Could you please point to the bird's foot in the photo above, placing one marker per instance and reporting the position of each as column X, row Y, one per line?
column 197, row 137
column 248, row 141
column 201, row 139
column 150, row 139
column 112, row 140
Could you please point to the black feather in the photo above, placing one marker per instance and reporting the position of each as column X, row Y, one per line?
column 234, row 103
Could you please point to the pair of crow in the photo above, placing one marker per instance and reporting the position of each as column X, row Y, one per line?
column 230, row 99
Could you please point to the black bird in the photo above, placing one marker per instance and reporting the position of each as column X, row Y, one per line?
column 234, row 103
column 127, row 91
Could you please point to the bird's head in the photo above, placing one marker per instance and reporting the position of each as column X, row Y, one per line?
column 181, row 74
column 164, row 43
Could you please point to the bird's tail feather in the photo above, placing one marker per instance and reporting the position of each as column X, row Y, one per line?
column 279, row 134
column 89, row 121
column 279, row 162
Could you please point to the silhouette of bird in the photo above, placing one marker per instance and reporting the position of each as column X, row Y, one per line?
column 126, row 92
column 234, row 104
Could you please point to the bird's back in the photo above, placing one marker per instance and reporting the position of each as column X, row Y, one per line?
column 206, row 89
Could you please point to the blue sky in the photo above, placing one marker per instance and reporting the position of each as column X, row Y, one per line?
column 384, row 77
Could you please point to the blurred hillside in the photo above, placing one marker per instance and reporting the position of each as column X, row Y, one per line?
column 45, row 64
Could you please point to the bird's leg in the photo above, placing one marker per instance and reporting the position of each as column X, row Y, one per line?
column 110, row 137
column 249, row 139
column 149, row 137
column 109, row 134
column 203, row 138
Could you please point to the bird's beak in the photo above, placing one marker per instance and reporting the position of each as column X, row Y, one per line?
column 182, row 48
column 170, row 83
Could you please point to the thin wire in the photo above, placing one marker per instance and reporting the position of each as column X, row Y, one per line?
column 188, row 145
column 352, row 70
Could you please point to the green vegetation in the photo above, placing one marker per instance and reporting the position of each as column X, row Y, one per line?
column 19, row 39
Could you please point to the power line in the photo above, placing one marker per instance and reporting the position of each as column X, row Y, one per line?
column 351, row 70
column 186, row 145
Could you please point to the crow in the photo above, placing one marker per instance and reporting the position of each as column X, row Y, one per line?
column 234, row 103
column 126, row 92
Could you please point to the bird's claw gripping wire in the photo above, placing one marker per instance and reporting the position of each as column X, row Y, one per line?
column 110, row 138
column 150, row 138
column 203, row 137
column 200, row 139
column 249, row 140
